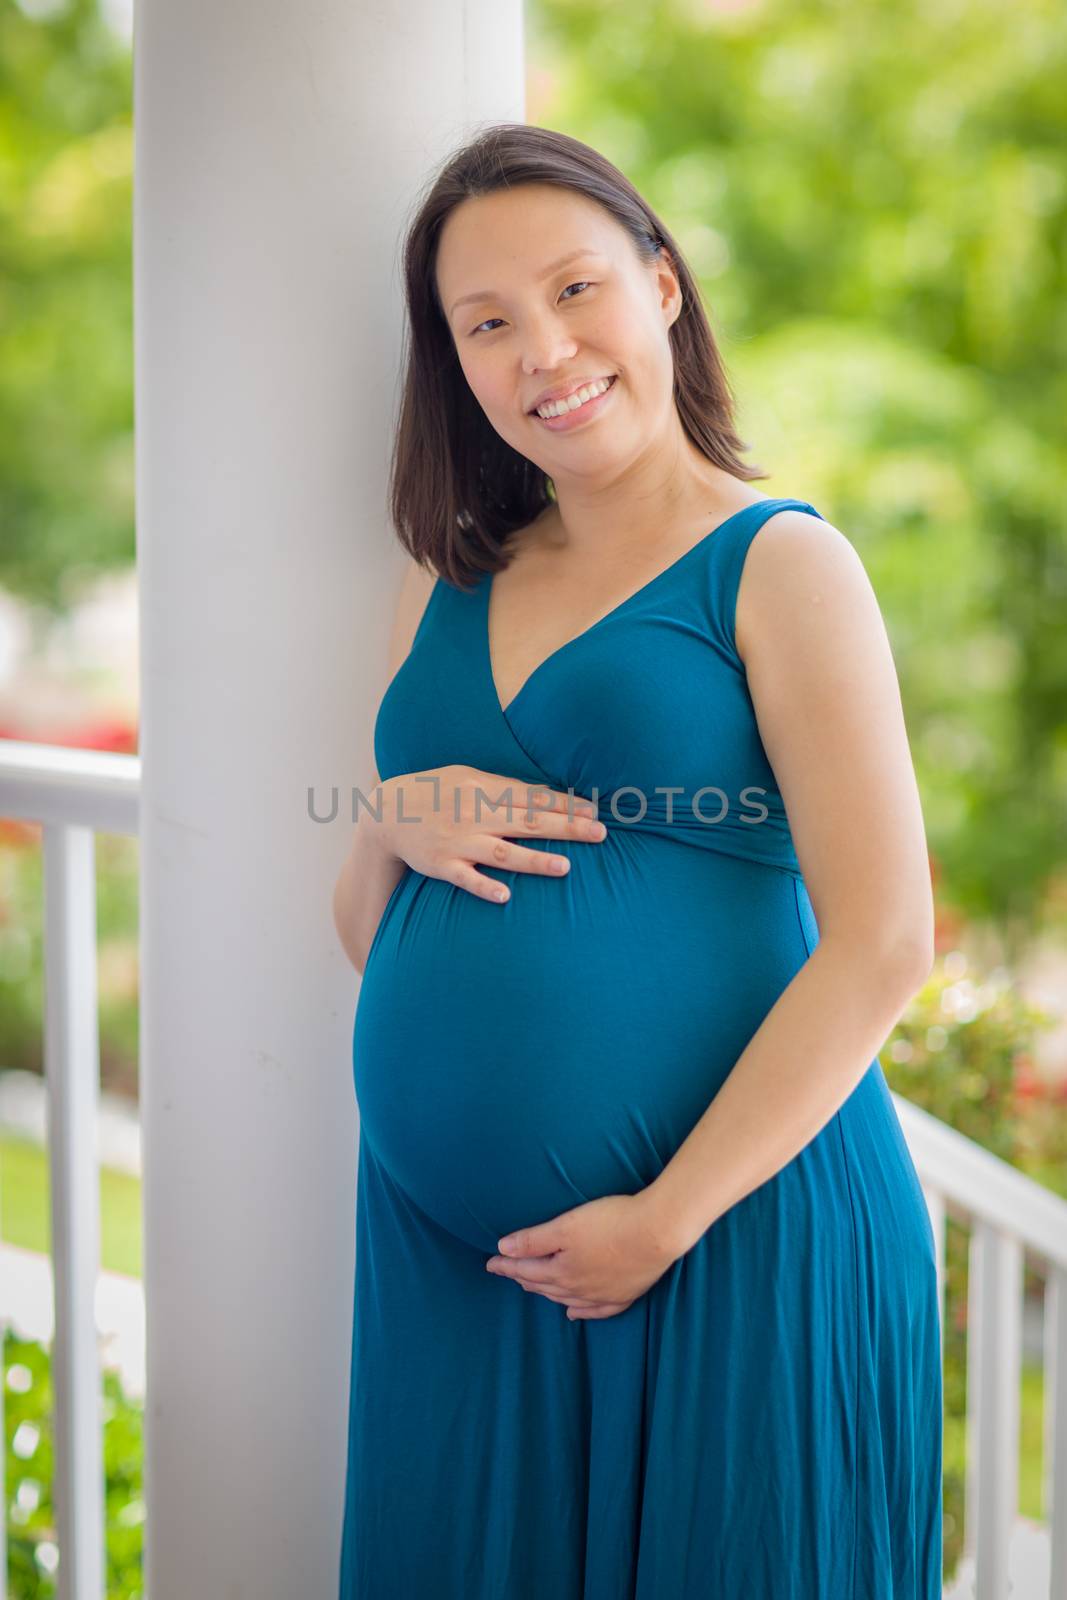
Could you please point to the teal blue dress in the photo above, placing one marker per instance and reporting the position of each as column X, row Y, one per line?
column 764, row 1423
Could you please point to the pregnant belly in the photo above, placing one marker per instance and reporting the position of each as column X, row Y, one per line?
column 512, row 1062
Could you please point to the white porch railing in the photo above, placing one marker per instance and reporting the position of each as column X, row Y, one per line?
column 77, row 793
column 1012, row 1219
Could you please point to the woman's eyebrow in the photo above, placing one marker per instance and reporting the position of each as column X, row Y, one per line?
column 491, row 294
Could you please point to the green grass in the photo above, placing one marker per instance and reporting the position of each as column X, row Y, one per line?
column 1031, row 1443
column 25, row 1209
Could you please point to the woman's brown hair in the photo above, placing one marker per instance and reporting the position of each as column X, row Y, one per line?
column 457, row 489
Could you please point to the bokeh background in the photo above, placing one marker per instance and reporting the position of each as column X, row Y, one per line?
column 873, row 197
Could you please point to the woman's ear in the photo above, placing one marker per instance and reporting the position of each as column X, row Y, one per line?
column 669, row 286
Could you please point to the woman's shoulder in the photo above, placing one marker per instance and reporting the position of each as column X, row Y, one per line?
column 799, row 560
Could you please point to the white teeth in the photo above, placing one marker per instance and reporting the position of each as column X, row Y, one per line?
column 556, row 408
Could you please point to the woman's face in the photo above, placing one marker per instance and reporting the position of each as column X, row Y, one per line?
column 531, row 321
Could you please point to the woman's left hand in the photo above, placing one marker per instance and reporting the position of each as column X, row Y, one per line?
column 596, row 1260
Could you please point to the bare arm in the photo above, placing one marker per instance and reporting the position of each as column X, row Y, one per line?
column 370, row 872
column 825, row 692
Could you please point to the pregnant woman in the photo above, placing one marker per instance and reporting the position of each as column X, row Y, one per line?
column 646, row 1302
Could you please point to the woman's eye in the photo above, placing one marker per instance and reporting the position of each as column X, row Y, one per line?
column 581, row 283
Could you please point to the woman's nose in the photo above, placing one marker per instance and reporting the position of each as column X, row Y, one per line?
column 546, row 350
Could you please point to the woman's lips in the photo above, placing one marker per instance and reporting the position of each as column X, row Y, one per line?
column 581, row 414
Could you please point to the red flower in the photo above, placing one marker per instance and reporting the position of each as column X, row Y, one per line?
column 1027, row 1084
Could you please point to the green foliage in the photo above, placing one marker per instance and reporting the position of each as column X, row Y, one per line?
column 22, row 954
column 875, row 202
column 874, row 199
column 66, row 355
column 30, row 1510
column 964, row 1051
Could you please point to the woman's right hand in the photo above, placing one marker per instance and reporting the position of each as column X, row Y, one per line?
column 455, row 817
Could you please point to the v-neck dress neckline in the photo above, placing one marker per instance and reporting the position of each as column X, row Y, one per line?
column 657, row 578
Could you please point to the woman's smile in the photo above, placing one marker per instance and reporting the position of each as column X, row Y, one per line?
column 579, row 414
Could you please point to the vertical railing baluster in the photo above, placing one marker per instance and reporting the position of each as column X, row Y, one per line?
column 994, row 1374
column 72, row 1060
column 1055, row 1451
column 935, row 1205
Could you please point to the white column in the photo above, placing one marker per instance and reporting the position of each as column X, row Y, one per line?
column 278, row 152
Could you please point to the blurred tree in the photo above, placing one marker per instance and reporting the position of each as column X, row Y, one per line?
column 66, row 359
column 875, row 201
